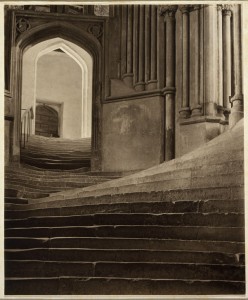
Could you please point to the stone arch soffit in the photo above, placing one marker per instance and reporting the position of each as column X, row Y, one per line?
column 70, row 52
column 65, row 31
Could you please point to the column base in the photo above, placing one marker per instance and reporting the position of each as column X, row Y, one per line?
column 151, row 85
column 128, row 79
column 196, row 132
column 185, row 113
column 140, row 86
column 226, row 113
column 196, row 111
column 237, row 110
column 210, row 109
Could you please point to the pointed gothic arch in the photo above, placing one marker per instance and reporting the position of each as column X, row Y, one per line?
column 83, row 39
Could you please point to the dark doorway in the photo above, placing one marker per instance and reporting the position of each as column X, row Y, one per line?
column 46, row 121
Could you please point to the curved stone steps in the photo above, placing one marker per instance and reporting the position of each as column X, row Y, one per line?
column 122, row 255
column 115, row 243
column 125, row 286
column 157, row 270
column 235, row 234
column 182, row 219
column 79, row 196
column 56, row 153
column 187, row 206
column 177, row 228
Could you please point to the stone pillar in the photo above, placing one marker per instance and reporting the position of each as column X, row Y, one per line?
column 152, row 83
column 147, row 43
column 220, row 57
column 123, row 40
column 196, row 108
column 210, row 60
column 140, row 85
column 135, row 43
column 226, row 55
column 128, row 77
column 185, row 109
column 237, row 100
column 169, row 90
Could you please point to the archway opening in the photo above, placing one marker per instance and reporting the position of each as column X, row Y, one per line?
column 57, row 87
column 58, row 71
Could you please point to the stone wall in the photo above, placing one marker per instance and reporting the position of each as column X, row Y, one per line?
column 132, row 134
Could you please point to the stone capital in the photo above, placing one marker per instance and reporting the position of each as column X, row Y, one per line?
column 168, row 11
column 185, row 8
column 196, row 6
column 227, row 9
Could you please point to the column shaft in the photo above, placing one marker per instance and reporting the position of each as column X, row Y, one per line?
column 123, row 40
column 135, row 43
column 220, row 57
column 196, row 107
column 237, row 100
column 185, row 110
column 147, row 43
column 210, row 60
column 226, row 57
column 153, row 61
column 169, row 89
column 140, row 85
column 128, row 77
column 129, row 39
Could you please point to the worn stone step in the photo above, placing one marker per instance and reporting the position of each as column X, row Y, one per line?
column 124, row 255
column 15, row 200
column 52, row 185
column 58, row 164
column 30, row 268
column 27, row 194
column 202, row 206
column 135, row 231
column 157, row 191
column 24, row 169
column 74, row 197
column 124, row 243
column 43, row 178
column 181, row 219
column 120, row 286
column 213, row 182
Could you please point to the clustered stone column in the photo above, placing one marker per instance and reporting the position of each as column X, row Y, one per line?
column 169, row 91
column 237, row 100
column 140, row 85
column 226, row 55
column 185, row 109
column 195, row 104
column 152, row 82
column 123, row 40
column 126, row 44
column 210, row 60
column 139, row 46
column 129, row 75
column 220, row 57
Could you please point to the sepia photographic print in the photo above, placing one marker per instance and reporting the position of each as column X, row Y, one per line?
column 124, row 150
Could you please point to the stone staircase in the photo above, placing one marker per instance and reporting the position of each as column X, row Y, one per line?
column 174, row 229
column 26, row 182
column 56, row 153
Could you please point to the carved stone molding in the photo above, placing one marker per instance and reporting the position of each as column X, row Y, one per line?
column 96, row 30
column 196, row 6
column 227, row 9
column 22, row 25
column 185, row 8
column 168, row 10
